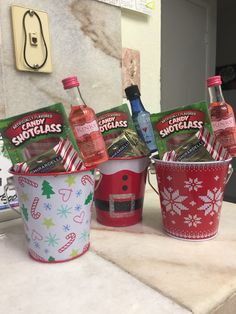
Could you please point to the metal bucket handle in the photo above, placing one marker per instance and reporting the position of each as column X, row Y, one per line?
column 98, row 179
column 152, row 170
column 10, row 186
column 229, row 174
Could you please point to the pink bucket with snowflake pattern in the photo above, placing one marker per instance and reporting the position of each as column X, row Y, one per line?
column 56, row 212
column 191, row 195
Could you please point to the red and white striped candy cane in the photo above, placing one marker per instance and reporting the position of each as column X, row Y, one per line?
column 21, row 167
column 71, row 237
column 86, row 178
column 23, row 180
column 33, row 211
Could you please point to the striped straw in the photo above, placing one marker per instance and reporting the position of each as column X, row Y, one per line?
column 212, row 145
column 70, row 158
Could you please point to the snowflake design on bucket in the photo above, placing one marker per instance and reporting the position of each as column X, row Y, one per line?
column 193, row 184
column 47, row 206
column 78, row 207
column 192, row 220
column 212, row 201
column 84, row 236
column 78, row 193
column 64, row 211
column 173, row 202
column 37, row 245
column 52, row 240
column 66, row 228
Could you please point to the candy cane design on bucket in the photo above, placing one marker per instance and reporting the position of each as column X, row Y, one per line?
column 71, row 238
column 34, row 213
column 56, row 211
column 87, row 179
column 23, row 180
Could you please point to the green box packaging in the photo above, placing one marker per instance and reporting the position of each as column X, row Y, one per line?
column 114, row 121
column 30, row 134
column 173, row 127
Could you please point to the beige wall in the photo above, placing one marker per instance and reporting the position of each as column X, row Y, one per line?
column 88, row 45
column 143, row 33
column 71, row 55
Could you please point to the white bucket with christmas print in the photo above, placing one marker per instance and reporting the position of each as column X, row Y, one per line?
column 56, row 211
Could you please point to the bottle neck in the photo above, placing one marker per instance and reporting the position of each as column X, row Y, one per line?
column 136, row 105
column 75, row 97
column 215, row 93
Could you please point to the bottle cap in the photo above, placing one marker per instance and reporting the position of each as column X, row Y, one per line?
column 132, row 92
column 70, row 82
column 214, row 80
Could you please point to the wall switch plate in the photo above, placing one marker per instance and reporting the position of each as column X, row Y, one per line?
column 130, row 68
column 30, row 45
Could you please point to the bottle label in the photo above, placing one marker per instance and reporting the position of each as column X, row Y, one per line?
column 228, row 140
column 145, row 131
column 223, row 124
column 86, row 128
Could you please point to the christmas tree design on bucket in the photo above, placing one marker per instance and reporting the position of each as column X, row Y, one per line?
column 47, row 189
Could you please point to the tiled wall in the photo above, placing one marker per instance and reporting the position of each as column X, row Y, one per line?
column 86, row 41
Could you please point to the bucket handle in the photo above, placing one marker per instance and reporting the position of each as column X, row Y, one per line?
column 98, row 179
column 10, row 186
column 229, row 174
column 151, row 170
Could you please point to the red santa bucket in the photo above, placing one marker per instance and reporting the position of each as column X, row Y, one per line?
column 119, row 193
column 191, row 195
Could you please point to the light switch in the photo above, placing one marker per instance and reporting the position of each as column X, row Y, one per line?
column 31, row 39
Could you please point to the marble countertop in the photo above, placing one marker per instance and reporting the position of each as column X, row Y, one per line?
column 136, row 269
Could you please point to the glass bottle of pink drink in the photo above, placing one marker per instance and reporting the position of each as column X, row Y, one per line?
column 222, row 115
column 85, row 127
